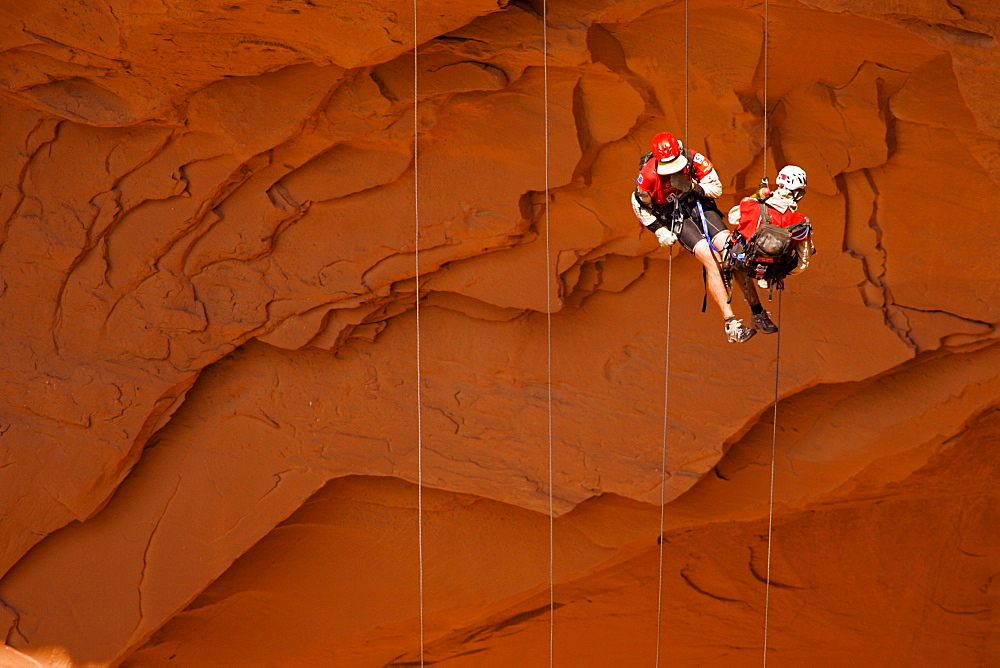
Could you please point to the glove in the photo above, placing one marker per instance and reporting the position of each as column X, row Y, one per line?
column 679, row 181
column 666, row 237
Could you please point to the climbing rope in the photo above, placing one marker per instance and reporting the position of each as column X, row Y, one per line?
column 687, row 81
column 777, row 370
column 766, row 24
column 548, row 336
column 663, row 457
column 666, row 372
column 416, row 261
column 770, row 502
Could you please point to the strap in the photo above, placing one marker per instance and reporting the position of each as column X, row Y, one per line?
column 643, row 205
column 765, row 215
column 704, row 282
column 726, row 269
column 800, row 231
column 692, row 173
column 661, row 211
column 704, row 224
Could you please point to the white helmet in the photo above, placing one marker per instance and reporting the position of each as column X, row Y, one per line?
column 791, row 178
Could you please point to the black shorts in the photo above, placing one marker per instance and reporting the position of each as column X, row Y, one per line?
column 691, row 230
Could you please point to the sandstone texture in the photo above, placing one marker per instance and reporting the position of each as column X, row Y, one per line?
column 219, row 218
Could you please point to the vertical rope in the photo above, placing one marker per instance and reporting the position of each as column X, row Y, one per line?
column 416, row 261
column 687, row 71
column 766, row 25
column 548, row 336
column 770, row 502
column 777, row 363
column 666, row 369
column 663, row 458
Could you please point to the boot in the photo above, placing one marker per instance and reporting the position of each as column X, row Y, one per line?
column 763, row 322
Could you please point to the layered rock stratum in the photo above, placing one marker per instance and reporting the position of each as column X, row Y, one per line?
column 219, row 398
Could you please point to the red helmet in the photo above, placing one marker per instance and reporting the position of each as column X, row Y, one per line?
column 667, row 151
column 666, row 146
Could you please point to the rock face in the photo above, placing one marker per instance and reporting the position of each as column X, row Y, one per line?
column 220, row 396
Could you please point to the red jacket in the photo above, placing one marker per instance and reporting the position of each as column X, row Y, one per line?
column 749, row 219
column 659, row 187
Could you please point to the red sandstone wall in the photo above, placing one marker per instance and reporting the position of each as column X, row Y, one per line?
column 208, row 430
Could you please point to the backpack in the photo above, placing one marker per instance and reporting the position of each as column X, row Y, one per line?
column 768, row 254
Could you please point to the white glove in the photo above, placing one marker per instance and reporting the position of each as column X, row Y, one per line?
column 666, row 237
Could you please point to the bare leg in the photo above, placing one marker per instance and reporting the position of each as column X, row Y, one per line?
column 710, row 260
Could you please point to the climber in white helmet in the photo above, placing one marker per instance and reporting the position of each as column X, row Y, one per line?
column 772, row 239
column 675, row 199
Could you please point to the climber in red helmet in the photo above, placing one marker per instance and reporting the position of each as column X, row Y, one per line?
column 675, row 199
column 779, row 208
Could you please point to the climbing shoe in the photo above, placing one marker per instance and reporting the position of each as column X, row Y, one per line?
column 738, row 332
column 763, row 322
